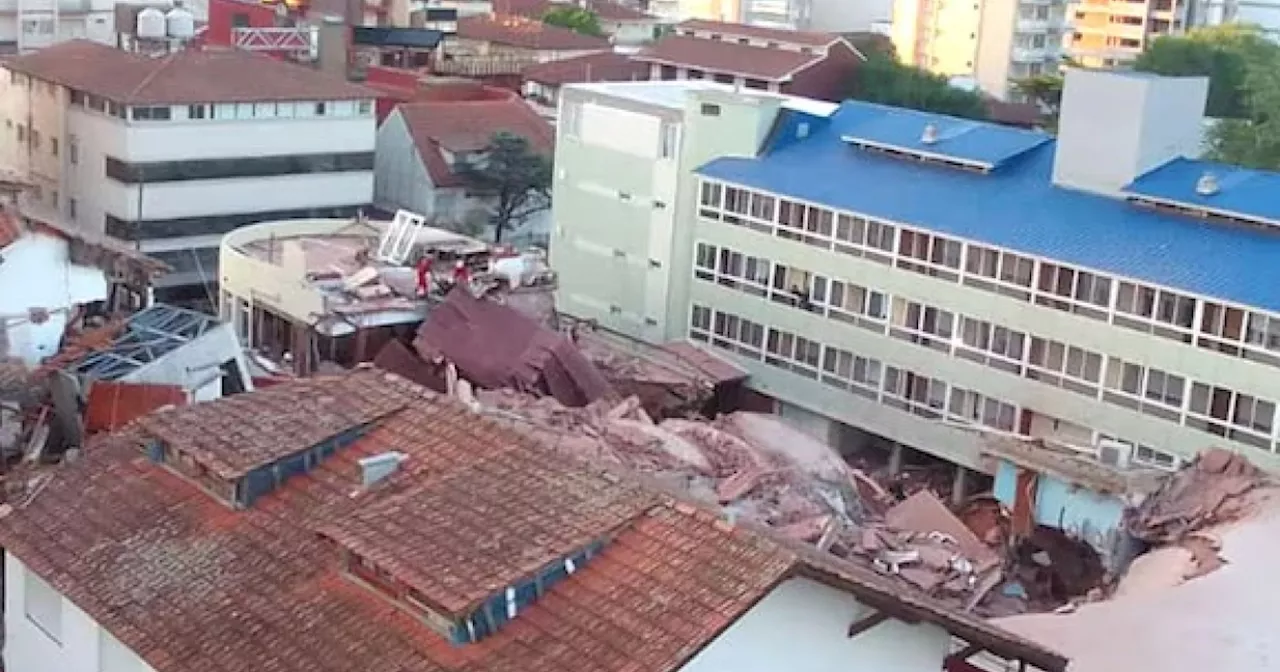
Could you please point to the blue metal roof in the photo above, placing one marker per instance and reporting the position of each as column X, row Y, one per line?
column 147, row 336
column 1246, row 193
column 1017, row 207
column 961, row 140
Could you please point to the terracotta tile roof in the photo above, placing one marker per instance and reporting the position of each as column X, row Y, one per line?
column 782, row 35
column 190, row 584
column 526, row 33
column 717, row 56
column 424, row 535
column 468, row 126
column 243, row 432
column 190, row 76
column 603, row 67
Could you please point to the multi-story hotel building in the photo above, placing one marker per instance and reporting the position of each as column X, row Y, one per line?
column 887, row 272
column 172, row 151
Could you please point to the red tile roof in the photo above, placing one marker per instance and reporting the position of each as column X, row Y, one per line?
column 603, row 67
column 244, row 432
column 526, row 33
column 190, row 76
column 718, row 56
column 781, row 35
column 468, row 126
column 190, row 584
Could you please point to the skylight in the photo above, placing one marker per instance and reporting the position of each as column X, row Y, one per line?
column 951, row 141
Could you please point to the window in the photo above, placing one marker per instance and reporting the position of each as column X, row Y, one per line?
column 995, row 346
column 926, row 325
column 42, row 605
column 1005, row 268
column 197, row 111
column 969, row 406
column 700, row 322
column 1228, row 413
column 35, row 139
column 912, row 392
column 1065, row 366
column 73, row 149
column 71, row 208
column 53, row 146
column 796, row 353
column 320, row 109
column 1081, row 290
column 709, row 199
column 1161, row 307
column 710, row 110
column 363, row 108
column 857, row 305
column 240, row 20
column 155, row 113
column 667, row 141
column 22, row 133
column 210, row 169
column 1148, row 390
column 1263, row 331
column 735, row 333
column 847, row 371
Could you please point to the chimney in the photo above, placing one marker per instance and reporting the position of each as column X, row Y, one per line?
column 1115, row 126
column 332, row 48
column 375, row 468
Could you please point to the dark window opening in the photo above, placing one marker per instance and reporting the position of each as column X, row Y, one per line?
column 215, row 169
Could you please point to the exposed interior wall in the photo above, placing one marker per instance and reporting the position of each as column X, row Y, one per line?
column 39, row 265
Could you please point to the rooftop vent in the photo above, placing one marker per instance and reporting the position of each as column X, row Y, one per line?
column 1207, row 185
column 377, row 467
column 930, row 134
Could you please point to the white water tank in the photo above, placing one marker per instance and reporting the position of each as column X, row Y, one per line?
column 181, row 24
column 151, row 24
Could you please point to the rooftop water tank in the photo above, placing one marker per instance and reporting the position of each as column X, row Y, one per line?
column 151, row 24
column 181, row 24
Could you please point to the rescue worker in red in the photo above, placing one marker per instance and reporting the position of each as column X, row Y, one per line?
column 461, row 274
column 424, row 275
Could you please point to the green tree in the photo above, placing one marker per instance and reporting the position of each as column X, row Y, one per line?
column 515, row 178
column 1221, row 53
column 1254, row 140
column 882, row 79
column 574, row 18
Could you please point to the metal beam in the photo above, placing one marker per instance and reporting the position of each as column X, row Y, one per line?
column 867, row 622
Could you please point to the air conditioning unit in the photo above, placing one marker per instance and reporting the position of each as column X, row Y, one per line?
column 1115, row 453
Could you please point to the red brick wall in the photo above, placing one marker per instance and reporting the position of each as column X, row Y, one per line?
column 828, row 80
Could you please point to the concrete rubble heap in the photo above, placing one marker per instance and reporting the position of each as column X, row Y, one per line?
column 762, row 471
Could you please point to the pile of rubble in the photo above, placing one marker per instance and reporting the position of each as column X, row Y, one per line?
column 1212, row 490
column 759, row 469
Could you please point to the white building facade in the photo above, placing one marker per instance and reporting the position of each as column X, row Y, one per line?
column 861, row 323
column 173, row 176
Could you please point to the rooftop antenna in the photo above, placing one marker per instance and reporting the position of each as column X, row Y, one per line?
column 930, row 134
column 1207, row 185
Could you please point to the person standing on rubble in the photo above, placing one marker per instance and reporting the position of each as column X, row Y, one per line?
column 424, row 274
column 461, row 274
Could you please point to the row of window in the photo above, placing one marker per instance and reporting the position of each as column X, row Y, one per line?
column 1150, row 391
column 217, row 169
column 1252, row 335
column 900, row 388
column 225, row 111
column 148, row 229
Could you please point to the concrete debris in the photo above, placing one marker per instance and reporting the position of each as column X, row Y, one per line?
column 1209, row 491
column 762, row 471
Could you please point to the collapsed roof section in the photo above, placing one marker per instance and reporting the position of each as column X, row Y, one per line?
column 496, row 347
column 146, row 337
